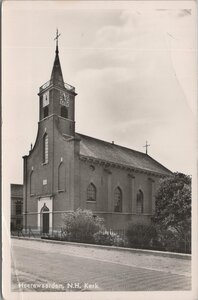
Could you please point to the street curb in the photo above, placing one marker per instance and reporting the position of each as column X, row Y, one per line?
column 143, row 251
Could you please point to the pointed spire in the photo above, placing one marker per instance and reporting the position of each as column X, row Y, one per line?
column 57, row 76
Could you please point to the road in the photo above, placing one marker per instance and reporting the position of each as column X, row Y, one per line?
column 39, row 266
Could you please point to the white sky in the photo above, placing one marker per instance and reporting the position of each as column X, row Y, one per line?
column 133, row 66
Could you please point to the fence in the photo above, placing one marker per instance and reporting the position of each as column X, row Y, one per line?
column 160, row 243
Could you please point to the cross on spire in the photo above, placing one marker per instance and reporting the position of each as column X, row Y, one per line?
column 147, row 145
column 56, row 75
column 56, row 38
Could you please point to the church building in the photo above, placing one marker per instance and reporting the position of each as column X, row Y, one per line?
column 66, row 170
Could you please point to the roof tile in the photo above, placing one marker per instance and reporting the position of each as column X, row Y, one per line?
column 98, row 149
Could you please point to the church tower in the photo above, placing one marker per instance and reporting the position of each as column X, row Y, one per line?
column 51, row 166
column 58, row 98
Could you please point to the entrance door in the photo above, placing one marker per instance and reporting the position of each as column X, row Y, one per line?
column 45, row 219
column 45, row 222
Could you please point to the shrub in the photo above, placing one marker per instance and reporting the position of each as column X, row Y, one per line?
column 108, row 238
column 141, row 235
column 172, row 241
column 173, row 204
column 80, row 225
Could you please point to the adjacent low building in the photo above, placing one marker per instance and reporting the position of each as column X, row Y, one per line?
column 16, row 217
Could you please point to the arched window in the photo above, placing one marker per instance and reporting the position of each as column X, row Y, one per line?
column 61, row 177
column 118, row 200
column 64, row 112
column 32, row 183
column 140, row 202
column 45, row 112
column 45, row 148
column 91, row 192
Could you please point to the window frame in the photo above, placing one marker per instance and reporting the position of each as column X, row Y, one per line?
column 45, row 108
column 64, row 112
column 118, row 197
column 91, row 191
column 60, row 189
column 45, row 148
column 140, row 202
column 32, row 184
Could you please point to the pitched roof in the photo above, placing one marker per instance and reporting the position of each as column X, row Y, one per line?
column 98, row 149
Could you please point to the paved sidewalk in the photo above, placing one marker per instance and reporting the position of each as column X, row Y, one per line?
column 108, row 269
column 152, row 262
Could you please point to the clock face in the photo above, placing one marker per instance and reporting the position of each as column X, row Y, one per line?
column 64, row 99
column 45, row 99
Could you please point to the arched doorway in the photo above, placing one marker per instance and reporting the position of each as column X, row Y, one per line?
column 45, row 219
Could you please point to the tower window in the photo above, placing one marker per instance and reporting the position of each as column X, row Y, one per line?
column 91, row 192
column 64, row 112
column 140, row 202
column 118, row 200
column 45, row 148
column 45, row 111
